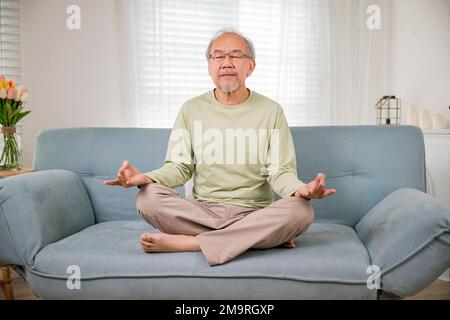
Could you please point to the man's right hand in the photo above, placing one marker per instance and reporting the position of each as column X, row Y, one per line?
column 128, row 176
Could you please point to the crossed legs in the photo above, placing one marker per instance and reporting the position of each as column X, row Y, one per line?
column 190, row 225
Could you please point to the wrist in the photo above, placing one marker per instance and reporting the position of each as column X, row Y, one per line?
column 148, row 180
column 300, row 196
column 299, row 191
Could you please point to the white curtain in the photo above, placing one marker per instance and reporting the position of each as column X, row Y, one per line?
column 357, row 61
column 315, row 57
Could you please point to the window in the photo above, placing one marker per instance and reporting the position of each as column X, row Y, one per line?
column 10, row 39
column 171, row 37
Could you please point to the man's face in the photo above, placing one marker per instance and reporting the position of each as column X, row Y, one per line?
column 233, row 66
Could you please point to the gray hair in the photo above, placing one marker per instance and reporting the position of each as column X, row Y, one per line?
column 220, row 33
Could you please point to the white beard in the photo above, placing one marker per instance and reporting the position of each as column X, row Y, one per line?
column 229, row 88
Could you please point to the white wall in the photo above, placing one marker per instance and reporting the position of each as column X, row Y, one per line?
column 419, row 60
column 72, row 76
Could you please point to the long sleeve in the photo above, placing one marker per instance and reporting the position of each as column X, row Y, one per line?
column 179, row 162
column 282, row 164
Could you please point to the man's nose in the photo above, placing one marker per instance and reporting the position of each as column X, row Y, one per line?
column 226, row 66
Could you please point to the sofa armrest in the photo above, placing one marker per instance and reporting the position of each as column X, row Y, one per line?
column 407, row 235
column 40, row 208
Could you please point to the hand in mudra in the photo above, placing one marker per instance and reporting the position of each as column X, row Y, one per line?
column 128, row 176
column 314, row 189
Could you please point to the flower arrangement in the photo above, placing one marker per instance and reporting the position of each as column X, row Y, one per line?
column 12, row 99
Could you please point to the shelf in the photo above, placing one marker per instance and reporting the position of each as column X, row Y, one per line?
column 10, row 173
column 436, row 131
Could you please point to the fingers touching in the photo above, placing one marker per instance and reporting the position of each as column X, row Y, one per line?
column 121, row 176
column 316, row 188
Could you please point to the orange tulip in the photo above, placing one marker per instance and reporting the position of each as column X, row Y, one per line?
column 10, row 84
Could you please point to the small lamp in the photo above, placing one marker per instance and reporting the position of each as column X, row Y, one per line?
column 388, row 110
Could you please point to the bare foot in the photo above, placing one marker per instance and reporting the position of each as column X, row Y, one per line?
column 289, row 244
column 164, row 242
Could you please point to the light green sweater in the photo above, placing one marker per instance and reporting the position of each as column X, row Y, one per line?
column 235, row 153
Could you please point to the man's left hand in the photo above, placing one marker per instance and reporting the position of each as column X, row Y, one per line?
column 315, row 189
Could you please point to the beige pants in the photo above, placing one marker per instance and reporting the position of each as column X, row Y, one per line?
column 224, row 231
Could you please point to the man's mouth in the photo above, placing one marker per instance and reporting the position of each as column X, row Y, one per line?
column 227, row 75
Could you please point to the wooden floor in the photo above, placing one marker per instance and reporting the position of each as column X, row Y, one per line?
column 438, row 290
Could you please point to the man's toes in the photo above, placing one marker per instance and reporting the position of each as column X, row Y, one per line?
column 146, row 249
column 144, row 236
column 150, row 241
column 146, row 246
column 289, row 244
column 149, row 237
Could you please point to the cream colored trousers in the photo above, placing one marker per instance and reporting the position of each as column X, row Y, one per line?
column 224, row 231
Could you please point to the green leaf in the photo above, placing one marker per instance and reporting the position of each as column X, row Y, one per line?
column 2, row 114
column 14, row 114
column 20, row 116
column 7, row 113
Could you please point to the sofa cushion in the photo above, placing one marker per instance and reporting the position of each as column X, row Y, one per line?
column 40, row 208
column 326, row 254
column 197, row 288
column 407, row 230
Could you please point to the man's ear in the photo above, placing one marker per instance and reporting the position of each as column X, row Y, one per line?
column 252, row 67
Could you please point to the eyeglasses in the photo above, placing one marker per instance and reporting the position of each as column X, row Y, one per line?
column 219, row 57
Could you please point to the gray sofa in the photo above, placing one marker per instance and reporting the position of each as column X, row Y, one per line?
column 61, row 216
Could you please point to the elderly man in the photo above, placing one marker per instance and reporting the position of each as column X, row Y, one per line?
column 232, row 208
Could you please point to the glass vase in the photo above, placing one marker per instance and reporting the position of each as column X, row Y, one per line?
column 11, row 146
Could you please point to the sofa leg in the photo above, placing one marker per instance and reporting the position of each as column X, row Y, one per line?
column 6, row 284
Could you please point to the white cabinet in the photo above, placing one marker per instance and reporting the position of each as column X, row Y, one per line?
column 437, row 157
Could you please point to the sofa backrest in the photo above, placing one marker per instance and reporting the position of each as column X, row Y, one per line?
column 96, row 154
column 363, row 163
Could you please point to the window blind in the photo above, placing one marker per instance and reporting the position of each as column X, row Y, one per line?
column 10, row 53
column 172, row 36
